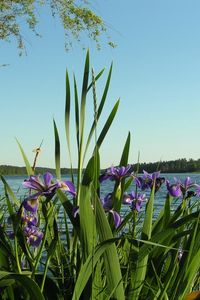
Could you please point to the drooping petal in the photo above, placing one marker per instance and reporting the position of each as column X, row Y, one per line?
column 33, row 183
column 30, row 205
column 108, row 202
column 75, row 211
column 155, row 175
column 104, row 177
column 33, row 235
column 138, row 205
column 138, row 181
column 116, row 217
column 68, row 186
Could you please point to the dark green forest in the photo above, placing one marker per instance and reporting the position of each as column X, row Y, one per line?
column 173, row 166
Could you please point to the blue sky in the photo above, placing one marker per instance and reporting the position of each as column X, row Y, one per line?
column 156, row 74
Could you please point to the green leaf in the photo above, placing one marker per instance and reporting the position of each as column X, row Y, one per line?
column 166, row 215
column 125, row 153
column 57, row 150
column 88, row 267
column 26, row 282
column 83, row 97
column 11, row 193
column 111, row 259
column 67, row 116
column 27, row 164
column 107, row 125
column 139, row 276
column 92, row 168
column 96, row 78
column 76, row 112
column 87, row 224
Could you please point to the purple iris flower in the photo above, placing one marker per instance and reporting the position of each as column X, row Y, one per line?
column 30, row 205
column 179, row 188
column 116, row 217
column 33, row 235
column 47, row 187
column 186, row 184
column 135, row 200
column 108, row 205
column 44, row 187
column 174, row 189
column 107, row 202
column 29, row 218
column 117, row 173
column 146, row 181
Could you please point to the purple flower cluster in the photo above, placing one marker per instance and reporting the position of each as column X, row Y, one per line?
column 29, row 220
column 144, row 182
column 46, row 188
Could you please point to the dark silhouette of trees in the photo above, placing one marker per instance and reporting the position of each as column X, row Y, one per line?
column 173, row 166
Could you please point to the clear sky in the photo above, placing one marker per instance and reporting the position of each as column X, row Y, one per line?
column 156, row 74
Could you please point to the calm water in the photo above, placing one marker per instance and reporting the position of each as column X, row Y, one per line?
column 16, row 184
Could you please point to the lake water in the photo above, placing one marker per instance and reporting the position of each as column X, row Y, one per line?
column 16, row 184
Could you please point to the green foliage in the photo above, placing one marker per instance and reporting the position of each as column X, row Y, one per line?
column 76, row 17
column 84, row 253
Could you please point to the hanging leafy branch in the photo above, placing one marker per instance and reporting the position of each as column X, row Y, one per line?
column 75, row 15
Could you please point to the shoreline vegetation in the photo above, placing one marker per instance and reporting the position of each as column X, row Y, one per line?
column 173, row 166
column 64, row 241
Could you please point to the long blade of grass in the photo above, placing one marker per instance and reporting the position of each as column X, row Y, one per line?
column 27, row 164
column 82, row 123
column 83, row 97
column 86, row 223
column 191, row 265
column 76, row 113
column 57, row 150
column 107, row 125
column 67, row 116
column 111, row 259
column 125, row 153
column 138, row 278
column 88, row 266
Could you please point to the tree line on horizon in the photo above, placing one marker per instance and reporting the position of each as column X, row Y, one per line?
column 173, row 166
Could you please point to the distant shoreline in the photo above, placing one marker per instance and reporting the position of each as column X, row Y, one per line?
column 173, row 166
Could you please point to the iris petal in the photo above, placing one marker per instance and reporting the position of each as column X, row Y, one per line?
column 47, row 179
column 116, row 217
